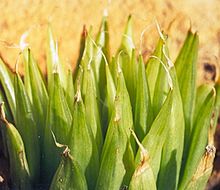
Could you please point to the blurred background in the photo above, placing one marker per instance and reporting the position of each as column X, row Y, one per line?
column 67, row 18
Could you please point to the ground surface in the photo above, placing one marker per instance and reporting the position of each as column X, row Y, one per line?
column 67, row 18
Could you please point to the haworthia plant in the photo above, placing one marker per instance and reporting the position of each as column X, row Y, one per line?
column 124, row 124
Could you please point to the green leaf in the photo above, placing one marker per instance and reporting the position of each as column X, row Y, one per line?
column 82, row 143
column 204, row 168
column 113, row 67
column 69, row 175
column 152, row 67
column 173, row 147
column 125, row 104
column 59, row 117
column 81, row 51
column 143, row 177
column 217, row 102
column 153, row 142
column 157, row 77
column 199, row 136
column 117, row 155
column 6, row 78
column 37, row 92
column 27, row 128
column 59, row 120
column 19, row 170
column 53, row 62
column 127, row 43
column 3, row 98
column 2, row 129
column 143, row 112
column 130, row 67
column 91, row 107
column 186, row 72
column 70, row 93
column 108, row 106
column 113, row 153
column 127, row 58
column 101, row 56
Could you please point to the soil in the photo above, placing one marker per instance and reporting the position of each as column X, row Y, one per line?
column 67, row 18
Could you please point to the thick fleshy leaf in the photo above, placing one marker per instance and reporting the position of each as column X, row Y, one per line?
column 7, row 109
column 81, row 51
column 36, row 91
column 117, row 155
column 127, row 59
column 27, row 128
column 53, row 62
column 59, row 120
column 173, row 147
column 19, row 169
column 204, row 169
column 129, row 68
column 113, row 155
column 143, row 113
column 108, row 106
column 7, row 82
column 125, row 104
column 91, row 107
column 59, row 117
column 70, row 92
column 113, row 67
column 143, row 177
column 3, row 143
column 157, row 77
column 69, row 175
column 186, row 65
column 154, row 140
column 101, row 56
column 205, row 166
column 217, row 102
column 127, row 44
column 117, row 161
column 82, row 143
column 199, row 136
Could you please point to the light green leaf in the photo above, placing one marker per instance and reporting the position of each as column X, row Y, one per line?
column 153, row 142
column 59, row 120
column 19, row 170
column 199, row 136
column 101, row 56
column 157, row 77
column 117, row 155
column 69, row 175
column 186, row 72
column 82, row 143
column 143, row 112
column 7, row 82
column 91, row 107
column 53, row 62
column 69, row 94
column 27, row 128
column 173, row 147
column 37, row 92
column 143, row 177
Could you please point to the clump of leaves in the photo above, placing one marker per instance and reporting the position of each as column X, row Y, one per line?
column 123, row 122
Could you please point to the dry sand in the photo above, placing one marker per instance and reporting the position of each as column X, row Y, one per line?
column 67, row 18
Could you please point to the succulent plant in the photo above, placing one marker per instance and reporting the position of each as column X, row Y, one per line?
column 113, row 123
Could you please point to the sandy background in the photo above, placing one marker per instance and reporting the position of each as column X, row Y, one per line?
column 67, row 18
